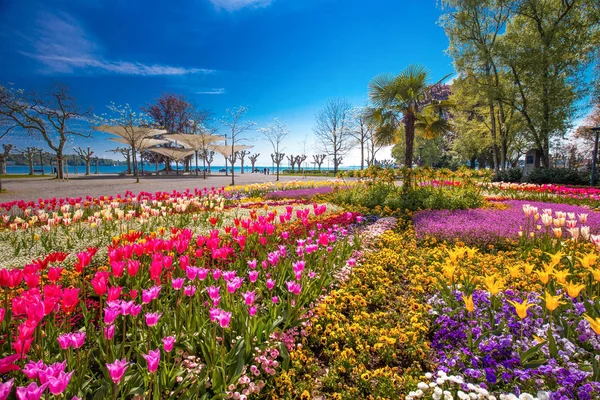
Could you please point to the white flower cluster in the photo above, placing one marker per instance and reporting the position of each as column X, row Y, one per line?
column 450, row 387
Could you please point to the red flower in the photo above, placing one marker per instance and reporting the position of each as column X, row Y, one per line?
column 7, row 364
column 70, row 299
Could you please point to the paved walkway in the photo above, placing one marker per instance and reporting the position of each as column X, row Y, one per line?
column 97, row 185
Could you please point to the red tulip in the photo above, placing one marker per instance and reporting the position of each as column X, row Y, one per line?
column 54, row 274
column 70, row 299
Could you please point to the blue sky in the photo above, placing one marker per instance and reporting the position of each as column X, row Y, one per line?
column 283, row 58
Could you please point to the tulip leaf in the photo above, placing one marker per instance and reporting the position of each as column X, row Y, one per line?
column 535, row 363
column 285, row 354
column 530, row 352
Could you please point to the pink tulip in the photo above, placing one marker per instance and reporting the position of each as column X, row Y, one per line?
column 59, row 383
column 64, row 341
column 224, row 318
column 202, row 273
column 31, row 392
column 189, row 290
column 152, row 318
column 270, row 283
column 216, row 274
column 78, row 339
column 253, row 276
column 111, row 314
column 168, row 343
column 213, row 292
column 6, row 388
column 275, row 299
column 117, row 370
column 249, row 297
column 2, row 313
column 177, row 283
column 252, row 311
column 153, row 359
column 33, row 369
column 132, row 267
column 109, row 332
column 117, row 268
column 252, row 264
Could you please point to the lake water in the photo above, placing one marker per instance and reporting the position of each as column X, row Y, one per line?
column 110, row 169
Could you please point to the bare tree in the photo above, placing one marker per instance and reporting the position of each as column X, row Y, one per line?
column 373, row 146
column 208, row 156
column 4, row 156
column 29, row 153
column 318, row 159
column 275, row 133
column 332, row 130
column 299, row 160
column 87, row 157
column 362, row 131
column 277, row 158
column 51, row 116
column 253, row 159
column 292, row 159
column 126, row 153
column 233, row 120
column 242, row 154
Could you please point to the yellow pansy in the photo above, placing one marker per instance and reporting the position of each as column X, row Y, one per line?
column 514, row 271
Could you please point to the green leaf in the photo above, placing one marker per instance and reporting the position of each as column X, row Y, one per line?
column 530, row 352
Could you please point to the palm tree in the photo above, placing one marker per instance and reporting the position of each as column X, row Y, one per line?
column 403, row 103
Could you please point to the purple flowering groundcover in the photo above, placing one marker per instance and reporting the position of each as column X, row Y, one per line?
column 299, row 193
column 484, row 226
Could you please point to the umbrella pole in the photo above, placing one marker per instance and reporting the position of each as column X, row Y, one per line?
column 196, row 162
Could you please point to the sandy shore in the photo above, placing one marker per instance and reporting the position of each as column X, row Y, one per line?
column 32, row 189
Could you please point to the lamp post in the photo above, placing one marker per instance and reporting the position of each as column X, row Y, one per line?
column 595, row 155
column 42, row 161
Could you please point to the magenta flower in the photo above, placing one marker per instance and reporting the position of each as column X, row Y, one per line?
column 153, row 359
column 64, row 341
column 150, row 294
column 270, row 283
column 177, row 283
column 191, row 272
column 252, row 311
column 213, row 292
column 31, row 392
column 114, row 293
column 249, row 297
column 111, row 314
column 216, row 274
column 189, row 290
column 59, row 383
column 252, row 264
column 224, row 318
column 293, row 287
column 253, row 276
column 213, row 313
column 6, row 388
column 152, row 318
column 117, row 370
column 109, row 332
column 275, row 299
column 77, row 339
column 202, row 273
column 168, row 343
column 33, row 369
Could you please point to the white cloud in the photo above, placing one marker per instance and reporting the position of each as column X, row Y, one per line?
column 213, row 91
column 234, row 5
column 62, row 45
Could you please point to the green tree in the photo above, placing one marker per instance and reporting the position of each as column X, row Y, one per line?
column 401, row 104
column 547, row 47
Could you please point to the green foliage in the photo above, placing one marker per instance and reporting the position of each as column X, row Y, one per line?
column 508, row 175
column 561, row 176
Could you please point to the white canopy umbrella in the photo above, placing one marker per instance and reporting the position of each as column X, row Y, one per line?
column 134, row 136
column 174, row 153
column 197, row 142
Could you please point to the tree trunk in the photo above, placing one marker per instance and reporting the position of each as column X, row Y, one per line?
column 277, row 171
column 30, row 162
column 3, row 166
column 362, row 154
column 409, row 134
column 242, row 164
column 472, row 162
column 59, row 166
column 88, row 166
column 128, row 158
column 135, row 166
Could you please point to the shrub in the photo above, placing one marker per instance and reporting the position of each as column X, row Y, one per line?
column 508, row 175
column 562, row 176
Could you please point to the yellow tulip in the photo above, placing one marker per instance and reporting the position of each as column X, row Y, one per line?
column 555, row 258
column 596, row 274
column 544, row 277
column 470, row 306
column 528, row 268
column 588, row 260
column 561, row 276
column 538, row 339
column 514, row 271
column 552, row 302
column 549, row 268
column 449, row 271
column 471, row 251
column 521, row 308
column 492, row 285
column 594, row 323
column 573, row 289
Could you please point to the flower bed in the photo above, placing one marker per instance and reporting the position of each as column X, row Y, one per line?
column 494, row 225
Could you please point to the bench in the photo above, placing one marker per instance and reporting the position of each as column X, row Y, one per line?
column 41, row 171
